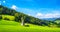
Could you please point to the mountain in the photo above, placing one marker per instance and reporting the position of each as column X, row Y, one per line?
column 49, row 19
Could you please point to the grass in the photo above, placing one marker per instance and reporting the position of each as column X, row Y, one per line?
column 12, row 26
column 8, row 16
column 57, row 21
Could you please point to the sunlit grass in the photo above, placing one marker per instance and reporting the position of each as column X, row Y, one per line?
column 8, row 16
column 12, row 26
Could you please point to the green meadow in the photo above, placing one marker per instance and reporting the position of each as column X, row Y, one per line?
column 12, row 26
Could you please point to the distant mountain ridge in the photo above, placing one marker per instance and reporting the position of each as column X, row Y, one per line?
column 52, row 19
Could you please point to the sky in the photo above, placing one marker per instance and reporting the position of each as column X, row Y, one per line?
column 35, row 8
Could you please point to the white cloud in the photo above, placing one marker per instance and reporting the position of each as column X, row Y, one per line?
column 14, row 7
column 3, row 1
column 48, row 15
column 51, row 13
column 54, row 15
column 39, row 14
column 29, row 14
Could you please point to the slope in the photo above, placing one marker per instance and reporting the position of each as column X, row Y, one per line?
column 12, row 26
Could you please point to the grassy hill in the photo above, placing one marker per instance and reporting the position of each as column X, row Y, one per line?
column 19, row 15
column 12, row 26
column 10, row 21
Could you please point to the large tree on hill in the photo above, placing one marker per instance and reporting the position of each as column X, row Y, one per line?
column 23, row 19
column 20, row 17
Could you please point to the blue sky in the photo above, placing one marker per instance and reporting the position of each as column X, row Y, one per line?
column 36, row 8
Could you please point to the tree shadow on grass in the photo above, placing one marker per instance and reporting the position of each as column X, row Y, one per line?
column 26, row 25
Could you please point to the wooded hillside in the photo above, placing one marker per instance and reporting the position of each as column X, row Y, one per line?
column 26, row 18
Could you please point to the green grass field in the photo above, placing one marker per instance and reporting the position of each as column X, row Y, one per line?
column 12, row 26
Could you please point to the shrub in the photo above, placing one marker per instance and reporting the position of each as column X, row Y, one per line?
column 6, row 18
column 0, row 17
